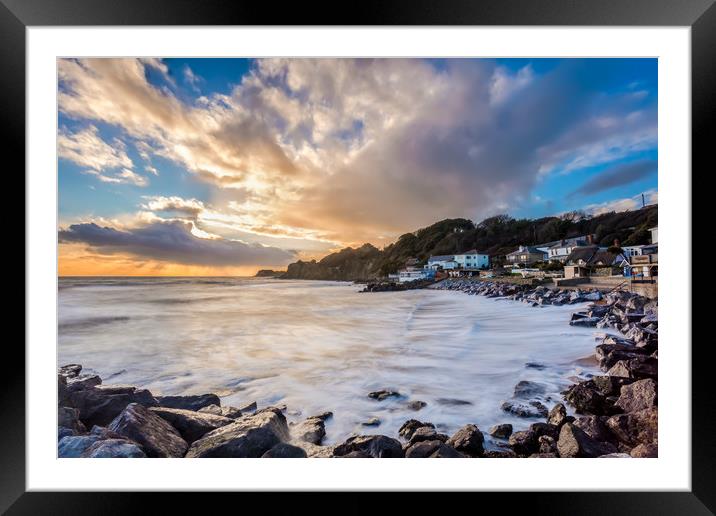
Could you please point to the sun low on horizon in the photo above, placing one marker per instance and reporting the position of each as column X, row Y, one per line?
column 222, row 167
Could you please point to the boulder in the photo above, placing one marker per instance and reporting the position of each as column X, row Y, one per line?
column 250, row 436
column 82, row 381
column 190, row 424
column 114, row 448
column 645, row 450
column 422, row 449
column 527, row 390
column 411, row 425
column 285, row 451
column 249, row 407
column 416, row 405
column 543, row 456
column 639, row 367
column 311, row 430
column 63, row 431
column 610, row 385
column 230, row 412
column 155, row 435
column 376, row 446
column 585, row 398
column 500, row 454
column 452, row 402
column 558, row 415
column 540, row 429
column 635, row 428
column 595, row 427
column 533, row 408
column 468, row 441
column 589, row 322
column 383, row 394
column 574, row 442
column 547, row 444
column 502, row 431
column 69, row 370
column 74, row 446
column 374, row 421
column 193, row 402
column 639, row 395
column 524, row 443
column 426, row 433
column 68, row 417
column 446, row 452
column 98, row 407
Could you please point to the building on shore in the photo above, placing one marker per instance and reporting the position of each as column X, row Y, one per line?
column 639, row 250
column 526, row 255
column 444, row 262
column 654, row 234
column 560, row 250
column 473, row 260
column 590, row 260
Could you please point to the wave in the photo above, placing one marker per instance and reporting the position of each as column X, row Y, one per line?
column 89, row 323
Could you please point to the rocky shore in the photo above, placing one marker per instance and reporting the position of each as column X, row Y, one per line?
column 615, row 413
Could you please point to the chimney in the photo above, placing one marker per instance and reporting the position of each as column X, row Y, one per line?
column 616, row 242
column 590, row 239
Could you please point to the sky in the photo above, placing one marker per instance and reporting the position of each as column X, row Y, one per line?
column 227, row 166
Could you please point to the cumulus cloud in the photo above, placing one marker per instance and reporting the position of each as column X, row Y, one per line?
column 86, row 148
column 349, row 150
column 172, row 242
column 617, row 176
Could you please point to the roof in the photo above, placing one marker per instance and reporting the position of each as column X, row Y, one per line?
column 441, row 258
column 471, row 251
column 526, row 249
column 593, row 255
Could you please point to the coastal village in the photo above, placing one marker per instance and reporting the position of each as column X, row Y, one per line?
column 566, row 263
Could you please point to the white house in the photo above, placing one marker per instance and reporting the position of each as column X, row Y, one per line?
column 561, row 249
column 472, row 260
column 444, row 262
column 639, row 250
column 654, row 235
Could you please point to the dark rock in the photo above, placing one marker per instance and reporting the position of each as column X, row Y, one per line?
column 230, row 412
column 644, row 451
column 422, row 449
column 595, row 427
column 637, row 368
column 501, row 431
column 99, row 408
column 411, row 425
column 540, row 429
column 639, row 395
column 69, row 370
column 193, row 402
column 610, row 385
column 523, row 443
column 543, row 456
column 526, row 389
column 446, row 452
column 68, row 417
column 251, row 407
column 354, row 455
column 285, row 451
column 376, row 446
column 547, row 444
column 311, row 430
column 73, row 446
column 416, row 405
column 532, row 409
column 383, row 394
column 374, row 421
column 250, row 436
column 190, row 424
column 155, row 435
column 558, row 415
column 426, row 433
column 114, row 448
column 585, row 321
column 115, row 389
column 535, row 365
column 82, row 381
column 585, row 398
column 468, row 441
column 636, row 427
column 500, row 454
column 574, row 442
column 453, row 402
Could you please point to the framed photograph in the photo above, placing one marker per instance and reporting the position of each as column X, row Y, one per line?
column 416, row 233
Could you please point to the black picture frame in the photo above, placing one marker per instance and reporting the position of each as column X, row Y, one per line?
column 700, row 15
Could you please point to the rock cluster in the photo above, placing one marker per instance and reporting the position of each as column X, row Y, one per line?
column 616, row 413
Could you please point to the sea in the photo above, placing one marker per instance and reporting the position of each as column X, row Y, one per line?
column 317, row 346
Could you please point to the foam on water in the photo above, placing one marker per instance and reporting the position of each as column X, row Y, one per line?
column 318, row 346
